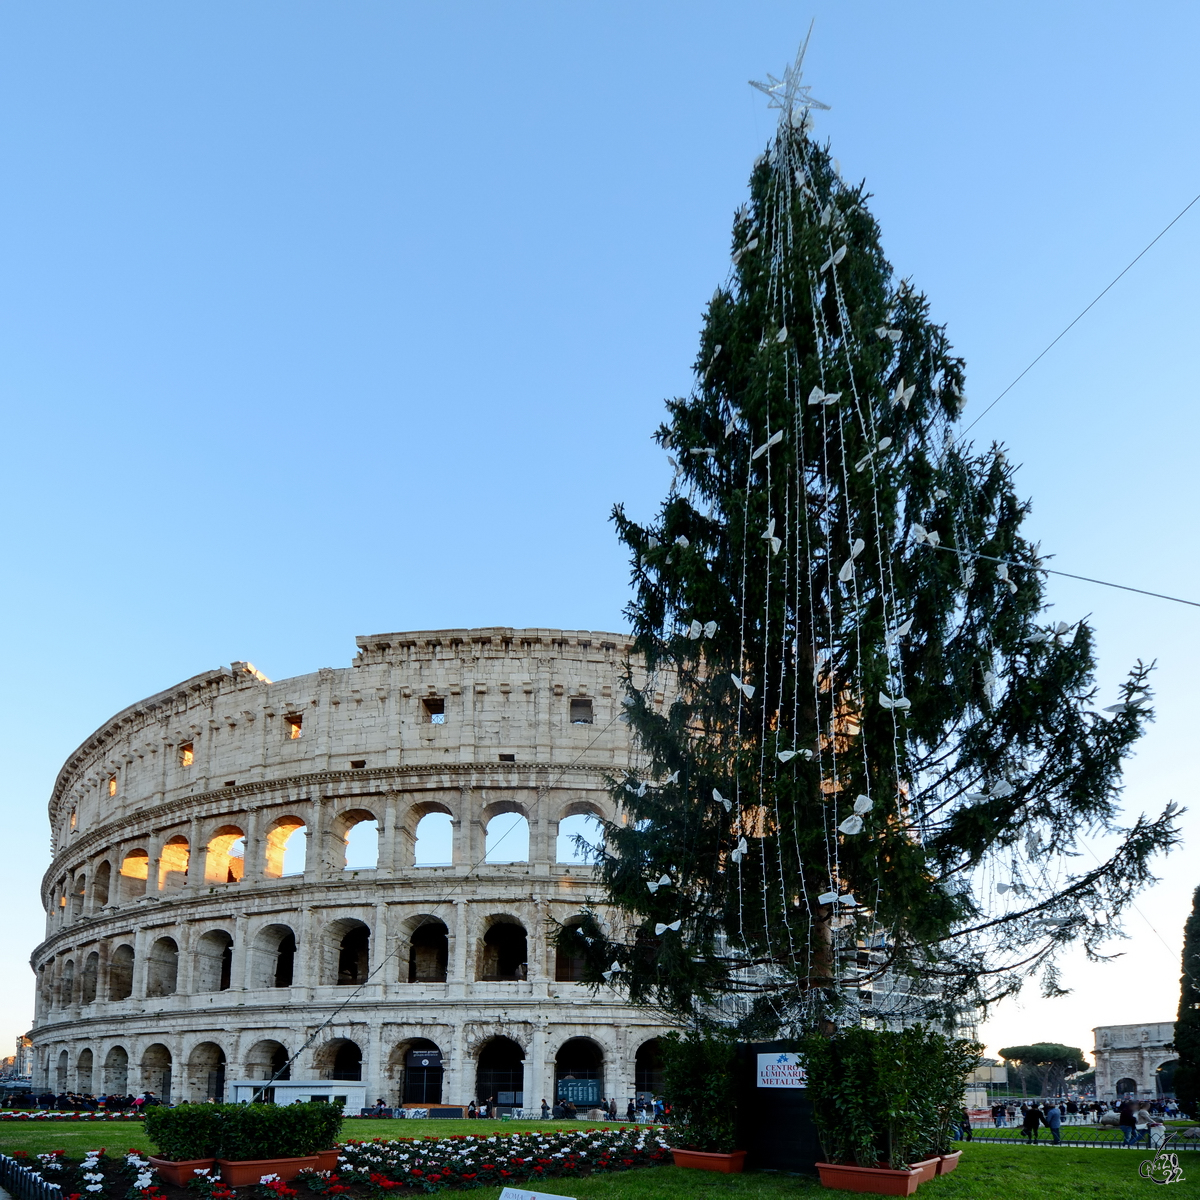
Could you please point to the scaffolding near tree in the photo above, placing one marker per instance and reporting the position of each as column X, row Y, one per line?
column 875, row 754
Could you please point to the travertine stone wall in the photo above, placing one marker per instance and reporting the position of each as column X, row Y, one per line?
column 165, row 959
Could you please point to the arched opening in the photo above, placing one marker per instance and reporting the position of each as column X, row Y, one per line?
column 287, row 847
column 162, row 968
column 579, row 1072
column 265, row 1059
column 83, row 1072
column 347, row 951
column 205, row 1077
column 1127, row 1086
column 416, row 1068
column 173, row 864
column 60, row 1074
column 66, row 988
column 225, row 861
column 648, row 1069
column 101, row 885
column 434, row 846
column 500, row 1075
column 504, row 952
column 339, row 1059
column 120, row 973
column 361, row 836
column 156, row 1071
column 428, row 952
column 135, row 867
column 569, row 848
column 87, row 982
column 78, row 893
column 1164, row 1078
column 116, row 1071
column 507, row 839
column 569, row 960
column 214, row 961
column 272, row 957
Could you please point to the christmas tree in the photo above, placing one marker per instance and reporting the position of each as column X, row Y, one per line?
column 865, row 756
column 1187, row 1027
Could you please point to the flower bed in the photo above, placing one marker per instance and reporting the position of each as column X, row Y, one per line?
column 376, row 1169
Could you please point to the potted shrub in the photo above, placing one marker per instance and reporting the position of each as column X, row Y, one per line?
column 879, row 1102
column 268, row 1139
column 698, row 1070
column 185, row 1138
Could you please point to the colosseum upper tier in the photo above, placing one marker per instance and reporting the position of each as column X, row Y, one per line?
column 205, row 926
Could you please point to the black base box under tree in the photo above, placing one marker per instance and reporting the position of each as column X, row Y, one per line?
column 775, row 1124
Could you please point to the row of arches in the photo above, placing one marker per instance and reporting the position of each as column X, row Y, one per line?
column 222, row 860
column 414, row 1073
column 340, row 955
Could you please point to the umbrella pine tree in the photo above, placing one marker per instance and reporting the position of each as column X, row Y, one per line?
column 865, row 755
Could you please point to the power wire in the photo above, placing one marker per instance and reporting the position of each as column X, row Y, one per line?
column 1076, row 321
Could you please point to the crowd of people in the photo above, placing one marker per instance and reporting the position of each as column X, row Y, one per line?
column 80, row 1102
column 1135, row 1117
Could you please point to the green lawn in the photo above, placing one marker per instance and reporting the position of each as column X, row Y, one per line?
column 985, row 1173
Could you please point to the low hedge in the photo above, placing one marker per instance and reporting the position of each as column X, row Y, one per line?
column 243, row 1131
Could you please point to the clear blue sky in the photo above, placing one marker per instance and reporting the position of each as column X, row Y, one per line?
column 328, row 319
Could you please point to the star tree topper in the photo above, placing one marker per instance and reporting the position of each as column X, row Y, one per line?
column 789, row 94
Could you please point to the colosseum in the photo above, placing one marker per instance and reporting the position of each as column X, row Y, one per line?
column 344, row 882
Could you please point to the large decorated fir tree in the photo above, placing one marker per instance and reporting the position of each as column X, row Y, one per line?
column 866, row 755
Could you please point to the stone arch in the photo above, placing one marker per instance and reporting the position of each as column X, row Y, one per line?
column 500, row 1072
column 120, row 972
column 89, row 978
column 414, row 1077
column 173, row 864
column 579, row 1072
column 135, row 869
column 115, row 1081
column 101, row 885
column 264, row 1059
column 648, row 1068
column 156, row 1071
column 214, row 961
column 84, row 1064
column 66, row 984
column 570, row 961
column 502, row 952
column 358, row 829
column 62, row 1068
column 78, row 895
column 428, row 833
column 339, row 1058
column 575, row 825
column 272, row 957
column 506, row 832
column 346, row 952
column 1126, row 1085
column 225, row 856
column 204, row 1074
column 286, row 843
column 428, row 950
column 162, row 967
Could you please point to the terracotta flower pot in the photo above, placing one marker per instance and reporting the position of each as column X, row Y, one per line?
column 879, row 1181
column 327, row 1159
column 948, row 1162
column 926, row 1169
column 709, row 1160
column 182, row 1172
column 237, row 1173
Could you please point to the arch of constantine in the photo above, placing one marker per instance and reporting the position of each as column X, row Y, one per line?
column 374, row 854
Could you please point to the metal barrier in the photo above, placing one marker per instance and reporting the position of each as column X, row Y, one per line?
column 1078, row 1135
column 24, row 1183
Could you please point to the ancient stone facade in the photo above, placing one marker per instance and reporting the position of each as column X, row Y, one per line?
column 1128, row 1057
column 186, row 950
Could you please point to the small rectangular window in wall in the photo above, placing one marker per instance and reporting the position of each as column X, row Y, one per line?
column 187, row 754
column 435, row 709
column 112, row 785
column 581, row 710
column 294, row 724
